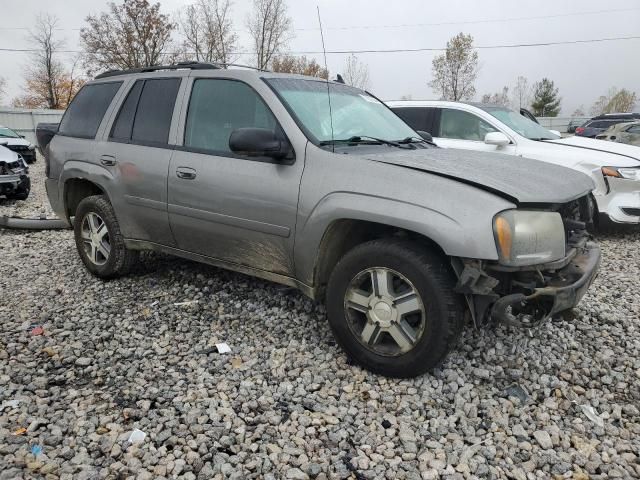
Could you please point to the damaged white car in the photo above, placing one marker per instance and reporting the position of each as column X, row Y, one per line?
column 14, row 178
column 613, row 167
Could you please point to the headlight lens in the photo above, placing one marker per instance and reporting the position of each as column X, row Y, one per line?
column 32, row 146
column 630, row 173
column 527, row 237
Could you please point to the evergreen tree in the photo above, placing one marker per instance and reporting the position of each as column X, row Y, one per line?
column 546, row 102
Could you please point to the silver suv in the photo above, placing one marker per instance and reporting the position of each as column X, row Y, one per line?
column 319, row 186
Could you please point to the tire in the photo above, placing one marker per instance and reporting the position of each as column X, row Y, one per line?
column 22, row 193
column 112, row 262
column 435, row 323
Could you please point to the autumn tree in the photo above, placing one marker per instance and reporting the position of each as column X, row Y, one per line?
column 48, row 83
column 521, row 93
column 614, row 101
column 455, row 71
column 498, row 98
column 299, row 65
column 356, row 73
column 546, row 101
column 270, row 29
column 208, row 31
column 133, row 34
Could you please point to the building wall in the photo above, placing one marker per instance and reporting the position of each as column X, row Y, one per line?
column 24, row 121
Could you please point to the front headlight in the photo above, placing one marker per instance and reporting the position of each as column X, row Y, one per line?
column 32, row 147
column 630, row 173
column 527, row 237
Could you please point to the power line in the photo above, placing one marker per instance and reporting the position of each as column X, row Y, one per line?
column 433, row 24
column 391, row 50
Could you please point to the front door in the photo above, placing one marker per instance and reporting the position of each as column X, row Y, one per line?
column 231, row 207
column 465, row 130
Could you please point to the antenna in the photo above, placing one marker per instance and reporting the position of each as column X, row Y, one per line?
column 324, row 51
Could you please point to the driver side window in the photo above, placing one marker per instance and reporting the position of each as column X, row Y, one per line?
column 461, row 125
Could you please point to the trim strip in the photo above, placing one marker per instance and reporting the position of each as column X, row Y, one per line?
column 146, row 202
column 245, row 223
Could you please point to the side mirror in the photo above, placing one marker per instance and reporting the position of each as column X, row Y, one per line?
column 425, row 135
column 555, row 132
column 258, row 142
column 498, row 139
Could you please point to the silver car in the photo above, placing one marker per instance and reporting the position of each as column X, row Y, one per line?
column 259, row 173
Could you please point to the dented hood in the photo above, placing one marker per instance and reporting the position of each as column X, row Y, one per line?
column 521, row 180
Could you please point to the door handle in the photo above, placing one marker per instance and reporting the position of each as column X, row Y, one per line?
column 185, row 173
column 108, row 160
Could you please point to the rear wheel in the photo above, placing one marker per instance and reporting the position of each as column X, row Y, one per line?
column 392, row 307
column 99, row 241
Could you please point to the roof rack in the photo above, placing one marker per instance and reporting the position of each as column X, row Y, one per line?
column 176, row 66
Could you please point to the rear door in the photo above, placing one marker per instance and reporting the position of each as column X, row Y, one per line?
column 465, row 130
column 231, row 207
column 138, row 153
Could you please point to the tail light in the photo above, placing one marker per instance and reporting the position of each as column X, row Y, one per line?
column 580, row 130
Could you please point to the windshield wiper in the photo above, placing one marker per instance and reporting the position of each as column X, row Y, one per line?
column 365, row 139
column 409, row 140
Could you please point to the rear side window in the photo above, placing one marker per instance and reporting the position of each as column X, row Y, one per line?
column 121, row 130
column 85, row 112
column 217, row 108
column 603, row 123
column 145, row 115
column 418, row 118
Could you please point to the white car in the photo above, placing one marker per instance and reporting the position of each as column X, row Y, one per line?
column 614, row 167
column 18, row 144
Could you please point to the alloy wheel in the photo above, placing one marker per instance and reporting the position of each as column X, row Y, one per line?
column 384, row 311
column 95, row 238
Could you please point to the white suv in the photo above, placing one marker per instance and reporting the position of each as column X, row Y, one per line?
column 614, row 168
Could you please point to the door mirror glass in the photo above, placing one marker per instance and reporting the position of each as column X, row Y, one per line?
column 425, row 135
column 259, row 142
column 498, row 139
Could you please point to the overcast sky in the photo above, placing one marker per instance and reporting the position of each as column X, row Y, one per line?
column 581, row 71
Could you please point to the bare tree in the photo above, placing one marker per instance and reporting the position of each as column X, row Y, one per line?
column 3, row 88
column 208, row 31
column 131, row 35
column 579, row 112
column 614, row 101
column 521, row 93
column 299, row 65
column 48, row 83
column 455, row 71
column 356, row 73
column 499, row 98
column 270, row 29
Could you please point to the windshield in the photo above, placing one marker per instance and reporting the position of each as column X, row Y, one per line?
column 520, row 124
column 355, row 112
column 8, row 133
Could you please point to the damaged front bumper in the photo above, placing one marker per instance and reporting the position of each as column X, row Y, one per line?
column 525, row 297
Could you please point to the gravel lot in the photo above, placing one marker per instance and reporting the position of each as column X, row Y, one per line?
column 286, row 403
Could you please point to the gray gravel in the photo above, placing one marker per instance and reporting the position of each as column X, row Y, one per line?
column 285, row 403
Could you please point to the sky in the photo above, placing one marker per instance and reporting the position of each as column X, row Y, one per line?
column 582, row 72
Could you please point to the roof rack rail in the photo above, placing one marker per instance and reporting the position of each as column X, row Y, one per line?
column 155, row 68
column 176, row 66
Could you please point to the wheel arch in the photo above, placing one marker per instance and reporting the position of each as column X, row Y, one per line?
column 77, row 189
column 344, row 234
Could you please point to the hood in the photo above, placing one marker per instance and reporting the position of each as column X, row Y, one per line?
column 523, row 181
column 621, row 149
column 7, row 155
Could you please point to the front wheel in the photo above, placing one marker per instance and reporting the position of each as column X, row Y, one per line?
column 99, row 240
column 392, row 308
